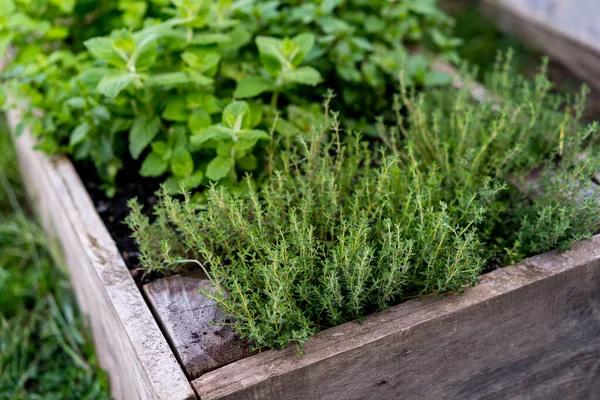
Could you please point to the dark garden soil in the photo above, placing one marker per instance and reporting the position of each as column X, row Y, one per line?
column 113, row 211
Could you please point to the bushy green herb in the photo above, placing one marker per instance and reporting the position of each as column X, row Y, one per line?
column 158, row 93
column 345, row 227
column 338, row 233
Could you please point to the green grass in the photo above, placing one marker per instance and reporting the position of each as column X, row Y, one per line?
column 45, row 352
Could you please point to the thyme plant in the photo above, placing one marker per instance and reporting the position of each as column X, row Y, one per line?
column 335, row 234
column 344, row 226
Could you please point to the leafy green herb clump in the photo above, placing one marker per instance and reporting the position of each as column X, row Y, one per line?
column 164, row 92
column 344, row 227
column 336, row 234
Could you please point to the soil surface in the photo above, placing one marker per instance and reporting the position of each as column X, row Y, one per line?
column 113, row 211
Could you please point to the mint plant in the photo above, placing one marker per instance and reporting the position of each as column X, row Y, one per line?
column 167, row 70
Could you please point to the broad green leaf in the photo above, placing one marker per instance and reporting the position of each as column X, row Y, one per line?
column 214, row 132
column 237, row 115
column 7, row 7
column 92, row 76
column 178, row 137
column 79, row 133
column 145, row 53
column 247, row 139
column 161, row 149
column 200, row 79
column 271, row 54
column 224, row 148
column 252, row 86
column 153, row 166
column 208, row 102
column 256, row 110
column 182, row 164
column 303, row 75
column 175, row 110
column 76, row 102
column 111, row 85
column 168, row 79
column 425, row 7
column 204, row 39
column 199, row 121
column 141, row 134
column 102, row 48
column 219, row 168
column 304, row 42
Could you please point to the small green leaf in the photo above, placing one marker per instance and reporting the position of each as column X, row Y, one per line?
column 182, row 164
column 204, row 39
column 141, row 134
column 153, row 166
column 247, row 139
column 214, row 132
column 92, row 76
column 161, row 149
column 252, row 86
column 237, row 115
column 304, row 42
column 168, row 79
column 76, row 102
column 219, row 168
column 199, row 121
column 175, row 110
column 114, row 83
column 102, row 48
column 79, row 133
column 303, row 75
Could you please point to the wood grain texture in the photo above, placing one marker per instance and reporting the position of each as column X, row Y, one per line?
column 567, row 32
column 529, row 331
column 128, row 341
column 185, row 316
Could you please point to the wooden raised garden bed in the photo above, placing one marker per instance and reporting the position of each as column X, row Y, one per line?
column 567, row 31
column 531, row 330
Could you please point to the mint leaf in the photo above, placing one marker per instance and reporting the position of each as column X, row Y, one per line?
column 214, row 132
column 153, row 166
column 175, row 110
column 79, row 133
column 114, row 83
column 304, row 43
column 247, row 139
column 252, row 86
column 182, row 164
column 304, row 76
column 199, row 121
column 102, row 48
column 141, row 134
column 219, row 168
column 237, row 115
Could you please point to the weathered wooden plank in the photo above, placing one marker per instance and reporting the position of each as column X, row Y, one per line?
column 187, row 319
column 129, row 343
column 529, row 331
column 568, row 32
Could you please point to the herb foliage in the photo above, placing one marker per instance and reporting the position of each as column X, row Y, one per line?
column 345, row 227
column 163, row 92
